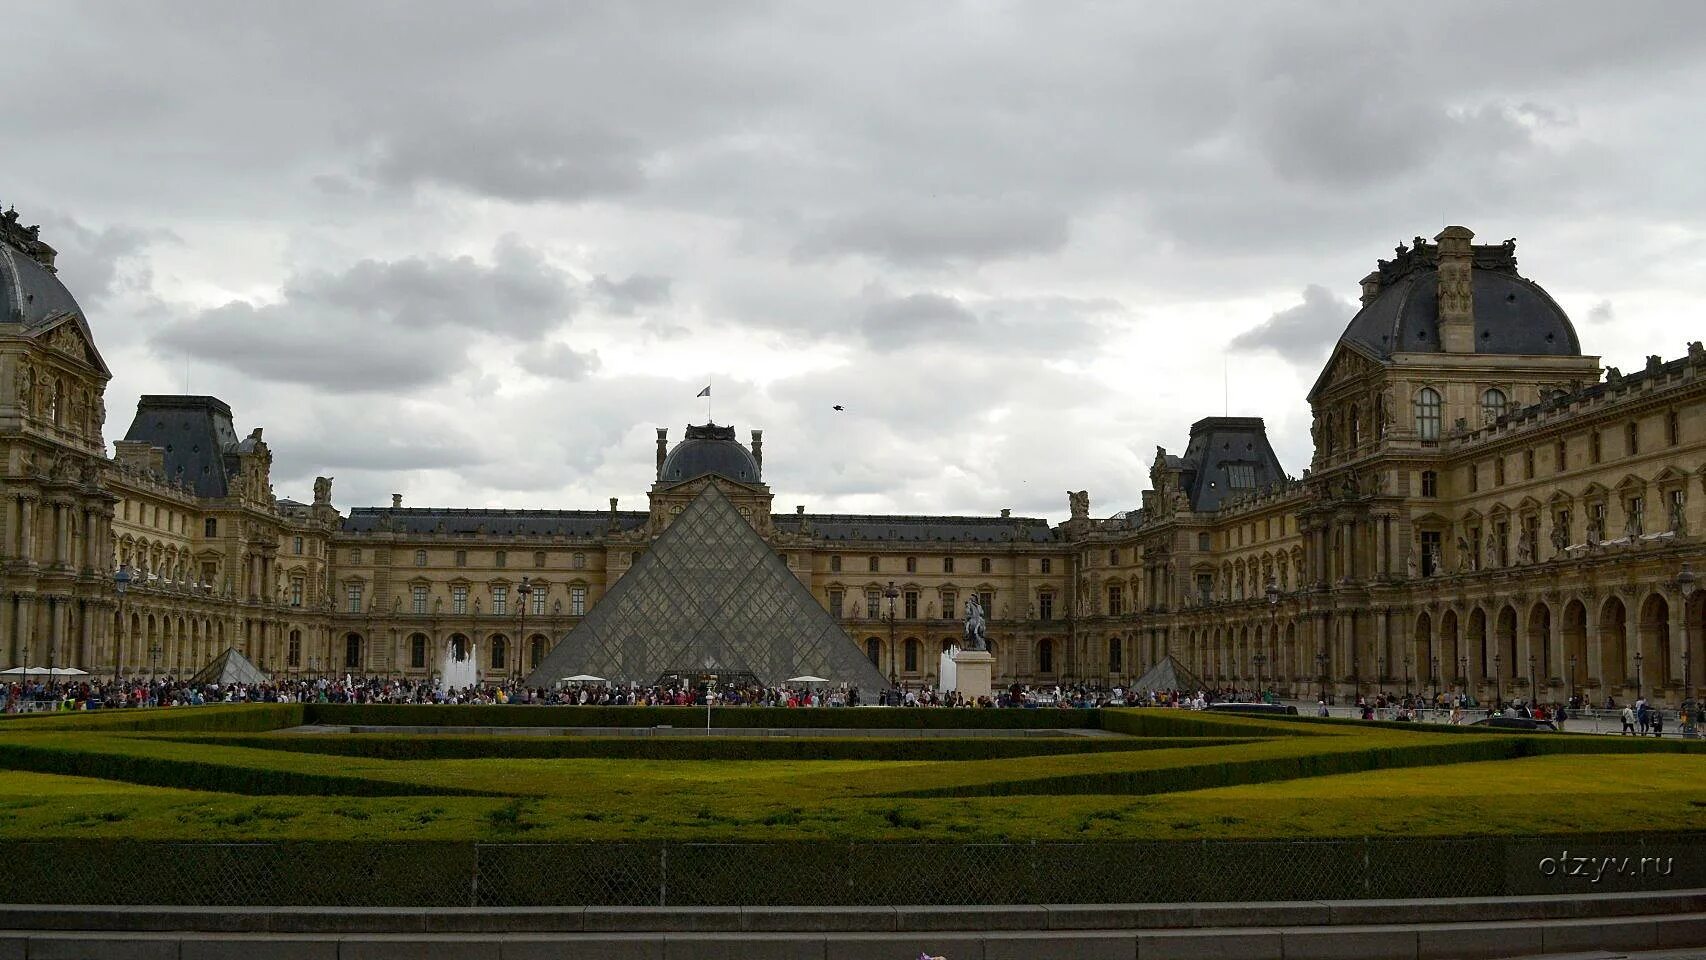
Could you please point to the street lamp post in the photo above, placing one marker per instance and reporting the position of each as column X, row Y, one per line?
column 522, row 593
column 121, row 584
column 1259, row 659
column 1533, row 691
column 1321, row 673
column 1498, row 682
column 1409, row 665
column 154, row 652
column 1433, row 674
column 892, row 593
column 1572, row 694
column 1463, row 673
column 1638, row 684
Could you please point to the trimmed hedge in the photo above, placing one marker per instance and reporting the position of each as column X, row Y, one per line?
column 1173, row 722
column 1330, row 762
column 475, row 747
column 216, row 718
column 199, row 775
column 526, row 715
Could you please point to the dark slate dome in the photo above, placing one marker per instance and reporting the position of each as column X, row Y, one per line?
column 1513, row 315
column 709, row 449
column 30, row 291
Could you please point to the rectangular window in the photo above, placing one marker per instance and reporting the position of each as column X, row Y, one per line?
column 502, row 559
column 1501, row 530
column 211, row 527
column 837, row 603
column 950, row 605
column 1241, row 476
column 1115, row 652
column 1637, row 516
column 462, row 558
column 293, row 652
column 1474, row 548
column 1045, row 605
column 1474, row 477
column 1048, row 565
column 539, row 559
column 459, row 599
column 911, row 564
column 1114, row 557
column 1673, row 429
column 577, row 600
column 1678, row 501
column 1561, row 456
column 835, row 564
column 354, row 595
column 355, row 555
column 296, row 585
column 873, row 604
column 1531, row 527
column 209, row 573
column 1430, row 552
column 909, row 601
column 1634, row 434
column 1499, row 472
column 1528, row 464
column 500, row 600
column 296, row 545
column 1596, row 526
column 948, row 565
column 418, row 598
column 987, row 601
column 1116, row 600
column 539, row 601
column 1594, row 446
column 1203, row 542
column 986, row 565
column 1430, row 483
column 1205, row 586
column 871, row 564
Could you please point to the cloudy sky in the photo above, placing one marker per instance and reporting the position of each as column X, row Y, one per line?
column 476, row 253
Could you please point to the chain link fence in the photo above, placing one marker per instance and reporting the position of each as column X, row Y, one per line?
column 447, row 874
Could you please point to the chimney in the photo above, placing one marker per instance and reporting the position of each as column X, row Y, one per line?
column 1370, row 288
column 758, row 450
column 1006, row 512
column 396, row 501
column 663, row 449
column 1456, row 295
column 800, row 510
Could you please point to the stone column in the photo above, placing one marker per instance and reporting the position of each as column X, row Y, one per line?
column 26, row 529
column 62, row 513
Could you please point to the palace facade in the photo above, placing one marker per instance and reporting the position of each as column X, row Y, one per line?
column 1486, row 510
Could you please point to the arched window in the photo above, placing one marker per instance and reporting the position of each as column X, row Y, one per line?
column 1492, row 404
column 53, row 401
column 1355, row 426
column 911, row 655
column 1045, row 656
column 1116, row 654
column 873, row 650
column 536, row 652
column 352, row 651
column 417, row 651
column 1428, row 413
column 500, row 652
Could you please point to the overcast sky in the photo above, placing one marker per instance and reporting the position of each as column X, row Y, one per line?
column 477, row 253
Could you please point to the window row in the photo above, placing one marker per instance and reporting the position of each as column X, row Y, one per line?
column 421, row 600
column 874, row 564
column 500, row 558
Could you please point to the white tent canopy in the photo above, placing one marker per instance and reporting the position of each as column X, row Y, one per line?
column 583, row 678
column 44, row 671
column 808, row 678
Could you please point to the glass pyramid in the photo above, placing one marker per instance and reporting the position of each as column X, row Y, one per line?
column 709, row 597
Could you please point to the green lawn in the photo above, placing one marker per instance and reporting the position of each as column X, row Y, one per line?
column 216, row 773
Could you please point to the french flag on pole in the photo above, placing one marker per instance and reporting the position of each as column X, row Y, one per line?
column 705, row 392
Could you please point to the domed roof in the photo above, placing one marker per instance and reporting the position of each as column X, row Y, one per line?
column 30, row 291
column 1513, row 315
column 709, row 449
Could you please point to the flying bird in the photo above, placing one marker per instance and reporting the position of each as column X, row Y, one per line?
column 840, row 407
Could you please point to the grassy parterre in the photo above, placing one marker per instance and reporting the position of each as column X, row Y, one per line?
column 232, row 773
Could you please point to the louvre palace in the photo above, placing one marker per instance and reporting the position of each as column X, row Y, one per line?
column 1486, row 509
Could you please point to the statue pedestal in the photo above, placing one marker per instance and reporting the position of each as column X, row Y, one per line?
column 974, row 672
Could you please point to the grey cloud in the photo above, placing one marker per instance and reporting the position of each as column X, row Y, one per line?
column 627, row 297
column 895, row 323
column 558, row 360
column 379, row 325
column 520, row 158
column 90, row 261
column 1045, row 326
column 1303, row 333
column 1601, row 312
column 929, row 231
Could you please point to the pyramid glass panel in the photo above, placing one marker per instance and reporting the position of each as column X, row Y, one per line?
column 709, row 596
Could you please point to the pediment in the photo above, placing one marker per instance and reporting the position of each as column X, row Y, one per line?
column 1349, row 362
column 70, row 338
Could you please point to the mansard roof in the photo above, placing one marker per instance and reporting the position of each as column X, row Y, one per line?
column 200, row 444
column 836, row 526
column 1226, row 457
column 520, row 523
